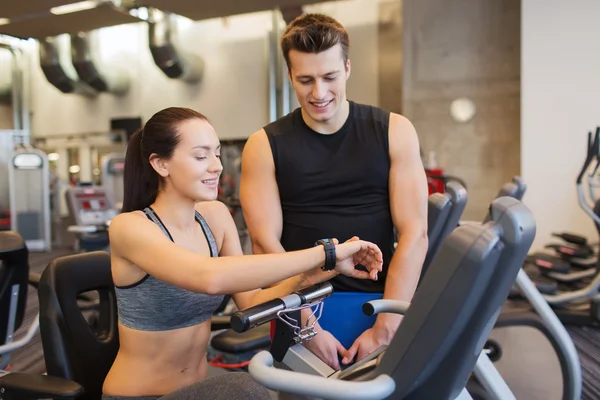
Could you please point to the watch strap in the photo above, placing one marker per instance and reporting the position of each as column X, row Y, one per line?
column 330, row 257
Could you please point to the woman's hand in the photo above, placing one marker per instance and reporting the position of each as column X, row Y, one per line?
column 355, row 251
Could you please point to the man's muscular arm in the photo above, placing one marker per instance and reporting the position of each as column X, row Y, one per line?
column 408, row 203
column 259, row 195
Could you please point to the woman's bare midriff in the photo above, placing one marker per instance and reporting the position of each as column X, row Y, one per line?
column 158, row 363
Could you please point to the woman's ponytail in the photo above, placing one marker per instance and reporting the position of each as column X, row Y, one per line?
column 140, row 185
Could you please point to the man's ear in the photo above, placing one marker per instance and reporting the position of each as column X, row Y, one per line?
column 159, row 165
column 348, row 69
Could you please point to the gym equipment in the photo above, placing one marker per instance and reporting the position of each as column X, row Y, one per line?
column 441, row 337
column 576, row 249
column 457, row 196
column 544, row 319
column 443, row 212
column 571, row 238
column 581, row 306
column 92, row 211
column 29, row 188
column 593, row 151
column 112, row 167
column 10, row 140
column 14, row 273
column 575, row 260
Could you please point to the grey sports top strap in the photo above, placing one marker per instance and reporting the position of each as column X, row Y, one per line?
column 214, row 250
column 212, row 243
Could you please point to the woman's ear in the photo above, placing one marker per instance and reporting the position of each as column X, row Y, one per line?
column 159, row 165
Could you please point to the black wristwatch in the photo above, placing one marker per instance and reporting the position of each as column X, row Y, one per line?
column 329, row 253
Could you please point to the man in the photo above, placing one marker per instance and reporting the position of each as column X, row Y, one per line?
column 337, row 169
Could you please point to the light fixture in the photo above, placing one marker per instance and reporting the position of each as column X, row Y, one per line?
column 141, row 13
column 4, row 21
column 53, row 156
column 463, row 109
column 73, row 7
column 73, row 169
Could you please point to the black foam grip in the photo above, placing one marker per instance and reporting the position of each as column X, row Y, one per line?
column 241, row 321
column 314, row 292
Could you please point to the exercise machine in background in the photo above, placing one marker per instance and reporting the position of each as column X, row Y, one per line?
column 570, row 278
column 29, row 188
column 92, row 210
column 535, row 313
column 25, row 190
column 14, row 276
column 112, row 167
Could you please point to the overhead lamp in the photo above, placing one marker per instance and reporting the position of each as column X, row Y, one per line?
column 73, row 7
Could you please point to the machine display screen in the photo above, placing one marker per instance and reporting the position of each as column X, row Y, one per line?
column 94, row 202
column 116, row 167
column 91, row 207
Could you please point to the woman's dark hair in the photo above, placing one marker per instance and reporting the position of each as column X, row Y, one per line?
column 159, row 136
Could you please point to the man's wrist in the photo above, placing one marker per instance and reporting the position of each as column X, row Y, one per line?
column 386, row 325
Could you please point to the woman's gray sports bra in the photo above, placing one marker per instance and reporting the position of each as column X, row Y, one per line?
column 153, row 305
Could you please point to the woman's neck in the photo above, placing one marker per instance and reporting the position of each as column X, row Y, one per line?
column 175, row 210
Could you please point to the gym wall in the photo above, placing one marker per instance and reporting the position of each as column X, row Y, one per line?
column 560, row 85
column 466, row 48
column 235, row 80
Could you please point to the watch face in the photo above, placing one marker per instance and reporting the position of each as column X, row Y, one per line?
column 323, row 241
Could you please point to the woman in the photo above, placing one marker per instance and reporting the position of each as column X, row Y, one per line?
column 175, row 252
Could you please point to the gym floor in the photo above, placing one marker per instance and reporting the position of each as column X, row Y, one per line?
column 528, row 363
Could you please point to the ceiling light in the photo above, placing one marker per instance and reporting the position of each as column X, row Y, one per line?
column 73, row 7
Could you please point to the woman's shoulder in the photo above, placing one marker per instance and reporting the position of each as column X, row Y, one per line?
column 127, row 222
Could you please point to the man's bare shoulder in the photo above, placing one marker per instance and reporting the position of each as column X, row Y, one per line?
column 403, row 138
column 401, row 124
column 256, row 140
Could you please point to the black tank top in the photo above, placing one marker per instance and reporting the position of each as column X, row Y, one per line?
column 335, row 185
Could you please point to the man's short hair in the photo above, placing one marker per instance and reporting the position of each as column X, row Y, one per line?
column 314, row 33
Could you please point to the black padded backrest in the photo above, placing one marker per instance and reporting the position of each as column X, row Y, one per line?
column 515, row 189
column 514, row 224
column 457, row 196
column 72, row 349
column 14, row 272
column 441, row 308
column 438, row 208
